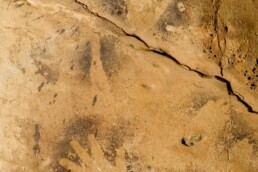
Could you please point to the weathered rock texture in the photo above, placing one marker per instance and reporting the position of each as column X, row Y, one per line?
column 136, row 85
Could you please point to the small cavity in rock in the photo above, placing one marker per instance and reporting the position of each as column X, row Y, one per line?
column 191, row 140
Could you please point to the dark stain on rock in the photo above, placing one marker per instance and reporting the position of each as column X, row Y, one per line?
column 116, row 7
column 75, row 31
column 235, row 131
column 36, row 149
column 202, row 100
column 47, row 72
column 111, row 139
column 37, row 133
column 85, row 61
column 77, row 130
column 23, row 70
column 146, row 87
column 38, row 52
column 132, row 162
column 254, row 142
column 108, row 56
column 60, row 31
column 115, row 139
column 94, row 101
column 54, row 100
column 198, row 101
column 149, row 168
column 72, row 67
column 172, row 17
column 36, row 136
column 43, row 52
column 41, row 86
column 18, row 5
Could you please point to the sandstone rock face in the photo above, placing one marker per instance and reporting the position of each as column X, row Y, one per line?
column 211, row 37
column 128, row 85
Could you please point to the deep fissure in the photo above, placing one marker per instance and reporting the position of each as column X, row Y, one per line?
column 164, row 53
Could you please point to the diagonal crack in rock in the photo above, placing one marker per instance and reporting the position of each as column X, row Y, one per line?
column 159, row 51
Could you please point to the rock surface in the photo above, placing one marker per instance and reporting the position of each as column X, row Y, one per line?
column 211, row 37
column 116, row 85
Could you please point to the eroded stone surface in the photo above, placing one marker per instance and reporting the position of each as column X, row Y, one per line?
column 212, row 37
column 69, row 75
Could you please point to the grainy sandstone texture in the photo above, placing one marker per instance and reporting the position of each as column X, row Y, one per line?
column 128, row 85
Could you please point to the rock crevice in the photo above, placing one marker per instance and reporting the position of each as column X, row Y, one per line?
column 164, row 53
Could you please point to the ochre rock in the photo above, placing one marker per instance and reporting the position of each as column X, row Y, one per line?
column 146, row 85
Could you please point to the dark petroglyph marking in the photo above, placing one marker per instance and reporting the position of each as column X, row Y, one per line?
column 172, row 16
column 41, row 86
column 235, row 131
column 43, row 51
column 146, row 87
column 54, row 100
column 75, row 31
column 132, row 162
column 72, row 65
column 37, row 133
column 197, row 102
column 116, row 7
column 115, row 139
column 202, row 100
column 85, row 61
column 254, row 142
column 96, row 156
column 36, row 136
column 94, row 101
column 108, row 56
column 77, row 130
column 36, row 149
column 45, row 71
column 38, row 52
column 23, row 70
column 110, row 140
column 61, row 31
column 18, row 3
column 38, row 18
